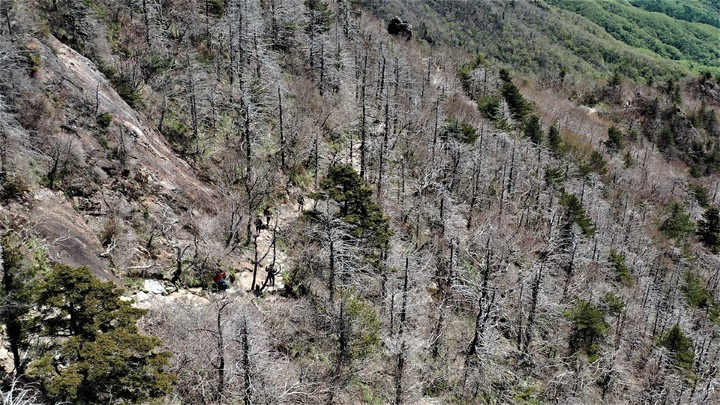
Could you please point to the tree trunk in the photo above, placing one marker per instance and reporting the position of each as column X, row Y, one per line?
column 533, row 308
column 399, row 374
column 248, row 146
column 13, row 327
column 401, row 356
column 255, row 266
column 383, row 148
column 245, row 347
column 331, row 278
column 283, row 164
column 363, row 120
column 220, row 366
column 437, row 332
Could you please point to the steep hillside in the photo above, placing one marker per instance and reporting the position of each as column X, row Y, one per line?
column 695, row 45
column 397, row 222
column 701, row 11
column 593, row 38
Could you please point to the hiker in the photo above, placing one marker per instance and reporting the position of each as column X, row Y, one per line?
column 301, row 202
column 271, row 275
column 259, row 226
column 220, row 281
column 268, row 215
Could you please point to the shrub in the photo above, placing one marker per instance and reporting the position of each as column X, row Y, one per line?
column 177, row 133
column 104, row 120
column 13, row 185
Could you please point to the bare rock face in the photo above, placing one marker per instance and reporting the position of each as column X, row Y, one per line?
column 400, row 28
column 96, row 225
column 69, row 239
column 165, row 172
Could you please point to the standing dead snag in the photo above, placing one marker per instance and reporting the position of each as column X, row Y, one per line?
column 403, row 345
column 177, row 273
column 537, row 280
column 486, row 303
column 363, row 118
column 283, row 163
column 219, row 363
column 245, row 362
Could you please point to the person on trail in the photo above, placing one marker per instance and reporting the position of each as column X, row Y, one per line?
column 259, row 226
column 301, row 202
column 268, row 215
column 220, row 281
column 271, row 275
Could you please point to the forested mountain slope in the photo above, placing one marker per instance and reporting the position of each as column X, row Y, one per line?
column 595, row 37
column 701, row 11
column 668, row 37
column 399, row 223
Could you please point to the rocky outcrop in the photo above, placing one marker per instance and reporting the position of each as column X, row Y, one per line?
column 156, row 163
column 110, row 202
column 400, row 28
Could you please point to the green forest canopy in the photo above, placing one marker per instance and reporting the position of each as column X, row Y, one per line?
column 536, row 38
column 664, row 28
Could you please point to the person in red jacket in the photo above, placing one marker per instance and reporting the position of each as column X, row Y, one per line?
column 220, row 281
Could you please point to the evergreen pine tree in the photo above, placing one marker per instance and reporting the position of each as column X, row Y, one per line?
column 357, row 207
column 680, row 346
column 518, row 105
column 589, row 328
column 575, row 214
column 97, row 354
column 554, row 140
column 17, row 293
column 678, row 225
column 533, row 130
column 616, row 139
column 709, row 229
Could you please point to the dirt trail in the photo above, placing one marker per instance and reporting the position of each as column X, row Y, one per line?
column 156, row 293
column 285, row 214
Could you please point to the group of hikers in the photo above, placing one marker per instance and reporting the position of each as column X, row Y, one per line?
column 222, row 282
column 259, row 225
column 221, row 278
